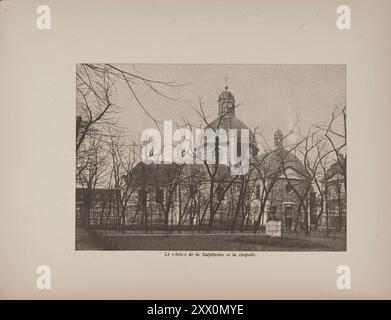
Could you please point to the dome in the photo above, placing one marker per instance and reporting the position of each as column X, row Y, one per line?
column 227, row 120
column 231, row 122
column 272, row 161
column 226, row 103
column 226, row 95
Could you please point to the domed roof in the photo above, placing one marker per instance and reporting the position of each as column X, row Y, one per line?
column 227, row 120
column 226, row 95
column 272, row 162
column 231, row 122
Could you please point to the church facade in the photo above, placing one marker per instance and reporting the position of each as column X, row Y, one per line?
column 208, row 197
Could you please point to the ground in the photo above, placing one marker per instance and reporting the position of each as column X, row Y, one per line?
column 86, row 241
column 104, row 240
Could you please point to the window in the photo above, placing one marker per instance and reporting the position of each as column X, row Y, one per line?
column 159, row 195
column 220, row 193
column 142, row 196
column 239, row 149
column 312, row 199
column 331, row 204
column 258, row 191
column 273, row 212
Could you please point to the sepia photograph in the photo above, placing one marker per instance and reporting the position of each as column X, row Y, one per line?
column 211, row 157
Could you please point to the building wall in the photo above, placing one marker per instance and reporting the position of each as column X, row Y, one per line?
column 282, row 204
column 336, row 205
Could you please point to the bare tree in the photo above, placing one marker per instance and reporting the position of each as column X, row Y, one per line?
column 191, row 182
column 267, row 173
column 324, row 165
column 123, row 161
column 97, row 115
column 94, row 101
column 316, row 167
column 298, row 181
column 336, row 136
column 219, row 176
column 243, row 196
column 92, row 169
column 335, row 133
column 95, row 85
column 172, row 175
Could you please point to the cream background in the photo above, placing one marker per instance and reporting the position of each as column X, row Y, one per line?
column 37, row 119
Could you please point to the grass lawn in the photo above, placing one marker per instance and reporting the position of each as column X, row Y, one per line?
column 217, row 242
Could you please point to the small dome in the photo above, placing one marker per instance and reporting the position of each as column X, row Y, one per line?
column 226, row 95
column 272, row 162
column 227, row 120
column 278, row 133
column 278, row 139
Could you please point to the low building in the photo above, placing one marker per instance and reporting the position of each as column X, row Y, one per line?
column 178, row 196
column 281, row 174
column 334, row 210
column 96, row 206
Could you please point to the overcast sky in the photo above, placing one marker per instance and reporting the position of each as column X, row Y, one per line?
column 270, row 96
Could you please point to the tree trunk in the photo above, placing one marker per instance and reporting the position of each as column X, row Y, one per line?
column 260, row 215
column 306, row 227
column 298, row 215
column 327, row 213
column 211, row 208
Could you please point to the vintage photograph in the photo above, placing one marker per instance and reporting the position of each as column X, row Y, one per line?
column 211, row 157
